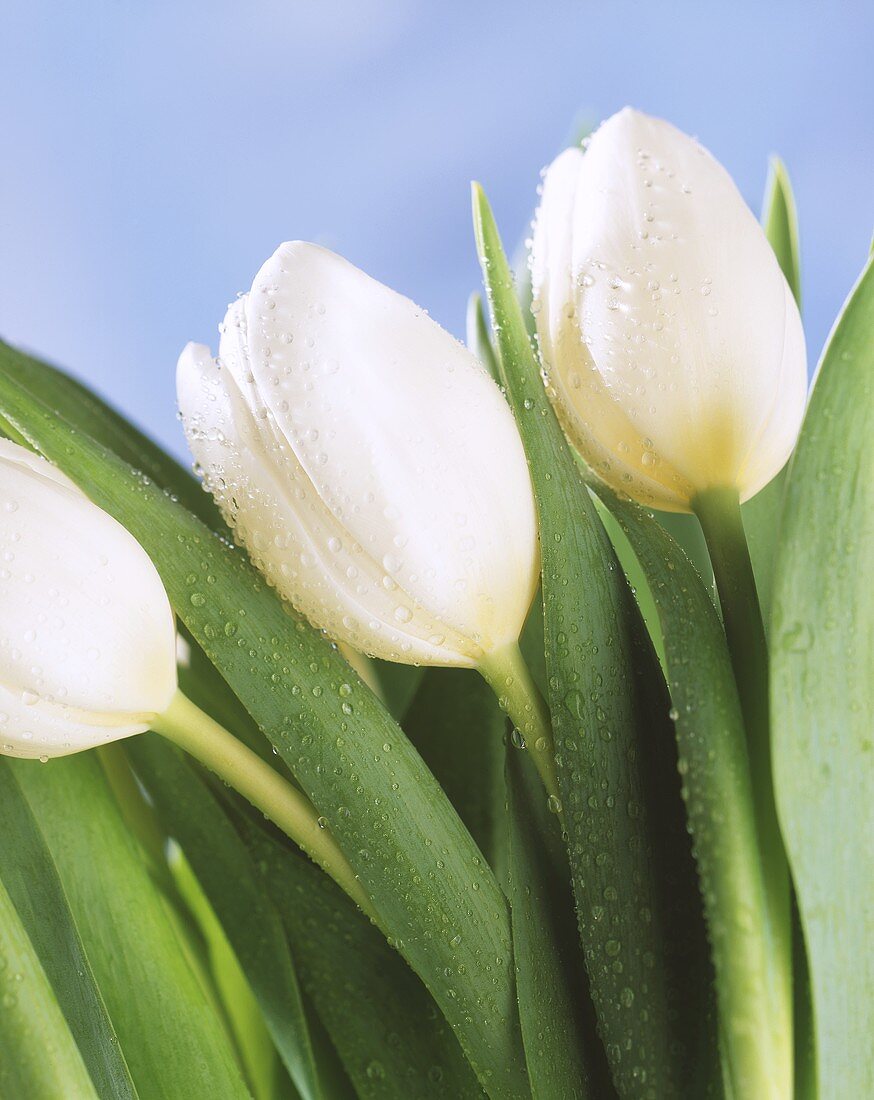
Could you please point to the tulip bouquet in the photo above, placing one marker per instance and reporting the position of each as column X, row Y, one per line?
column 313, row 854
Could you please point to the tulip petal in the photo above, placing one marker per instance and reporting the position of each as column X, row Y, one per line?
column 367, row 462
column 87, row 635
column 672, row 344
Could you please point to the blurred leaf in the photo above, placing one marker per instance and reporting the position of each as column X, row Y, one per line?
column 478, row 337
column 685, row 531
column 780, row 222
column 40, row 1060
column 384, row 1025
column 456, row 724
column 31, row 880
column 237, row 1002
column 397, row 684
column 172, row 1040
column 761, row 515
column 822, row 694
column 233, row 888
column 564, row 1054
column 634, row 880
column 384, row 807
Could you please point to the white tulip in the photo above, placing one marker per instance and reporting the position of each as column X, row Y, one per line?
column 671, row 343
column 367, row 462
column 87, row 637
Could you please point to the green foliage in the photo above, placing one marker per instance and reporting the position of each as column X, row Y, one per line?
column 438, row 899
column 761, row 515
column 159, row 939
column 565, row 1058
column 822, row 694
column 232, row 886
column 173, row 1042
column 30, row 878
column 637, row 900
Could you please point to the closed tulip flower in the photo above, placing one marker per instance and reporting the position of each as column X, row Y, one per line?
column 87, row 638
column 671, row 342
column 88, row 650
column 367, row 462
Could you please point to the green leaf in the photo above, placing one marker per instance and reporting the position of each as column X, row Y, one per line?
column 233, row 887
column 822, row 694
column 234, row 997
column 31, row 880
column 635, row 576
column 419, row 864
column 717, row 790
column 397, row 685
column 383, row 1023
column 564, row 1054
column 478, row 337
column 634, row 881
column 761, row 515
column 39, row 1059
column 172, row 1040
column 92, row 415
column 780, row 222
column 456, row 724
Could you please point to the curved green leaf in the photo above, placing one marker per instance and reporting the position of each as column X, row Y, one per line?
column 780, row 222
column 382, row 1022
column 716, row 780
column 564, row 1054
column 39, row 1058
column 637, row 899
column 172, row 1040
column 395, row 825
column 227, row 983
column 761, row 515
column 478, row 337
column 224, row 869
column 29, row 875
column 91, row 414
column 456, row 724
column 822, row 694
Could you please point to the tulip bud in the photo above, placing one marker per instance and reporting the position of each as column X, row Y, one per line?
column 87, row 638
column 671, row 343
column 367, row 462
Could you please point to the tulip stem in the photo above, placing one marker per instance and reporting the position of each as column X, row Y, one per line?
column 508, row 676
column 187, row 726
column 719, row 513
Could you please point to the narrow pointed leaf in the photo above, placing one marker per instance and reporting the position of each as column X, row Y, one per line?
column 456, row 724
column 564, row 1054
column 233, row 994
column 39, row 1058
column 715, row 767
column 780, row 222
column 419, row 864
column 761, row 515
column 383, row 1023
column 478, row 336
column 822, row 694
column 94, row 416
column 225, row 871
column 637, row 900
column 31, row 880
column 172, row 1040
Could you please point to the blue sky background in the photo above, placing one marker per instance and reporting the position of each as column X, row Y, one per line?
column 155, row 153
